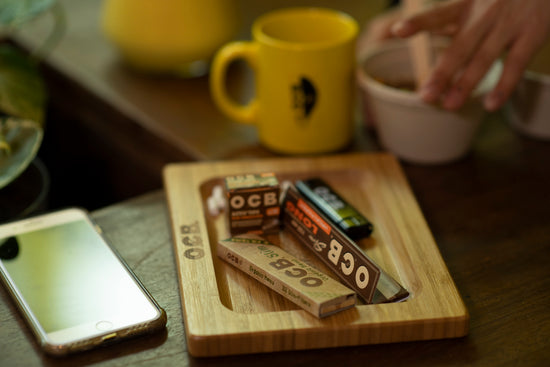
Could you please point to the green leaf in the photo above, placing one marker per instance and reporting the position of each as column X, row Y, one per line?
column 24, row 138
column 22, row 91
column 15, row 12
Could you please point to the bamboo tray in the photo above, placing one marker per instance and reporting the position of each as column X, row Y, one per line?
column 227, row 312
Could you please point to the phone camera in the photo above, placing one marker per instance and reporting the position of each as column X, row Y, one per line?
column 9, row 248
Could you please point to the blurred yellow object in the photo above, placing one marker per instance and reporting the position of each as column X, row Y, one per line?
column 170, row 36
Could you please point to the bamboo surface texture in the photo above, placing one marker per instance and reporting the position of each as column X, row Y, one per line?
column 227, row 312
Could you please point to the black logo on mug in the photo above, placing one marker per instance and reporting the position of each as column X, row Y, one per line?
column 305, row 96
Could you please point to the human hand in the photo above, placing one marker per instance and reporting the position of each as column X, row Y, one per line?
column 482, row 31
column 378, row 30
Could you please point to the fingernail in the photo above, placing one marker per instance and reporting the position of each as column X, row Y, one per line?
column 429, row 93
column 400, row 28
column 453, row 100
column 492, row 102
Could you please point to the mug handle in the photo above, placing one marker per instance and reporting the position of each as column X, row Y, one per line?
column 248, row 52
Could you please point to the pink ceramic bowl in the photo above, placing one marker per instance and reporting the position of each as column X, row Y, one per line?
column 413, row 130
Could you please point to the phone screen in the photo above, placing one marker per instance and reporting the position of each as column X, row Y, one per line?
column 72, row 282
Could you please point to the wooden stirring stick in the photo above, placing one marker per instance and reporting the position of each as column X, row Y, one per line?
column 419, row 45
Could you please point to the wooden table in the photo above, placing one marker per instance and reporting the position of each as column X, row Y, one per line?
column 489, row 216
column 488, row 213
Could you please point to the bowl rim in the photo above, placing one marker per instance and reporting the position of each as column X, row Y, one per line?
column 370, row 84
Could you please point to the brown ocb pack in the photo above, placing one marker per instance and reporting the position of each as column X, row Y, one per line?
column 253, row 203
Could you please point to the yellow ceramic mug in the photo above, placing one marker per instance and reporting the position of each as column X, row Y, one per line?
column 303, row 60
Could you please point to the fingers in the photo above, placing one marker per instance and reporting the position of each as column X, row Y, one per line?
column 469, row 79
column 483, row 30
column 447, row 17
column 439, row 18
column 515, row 63
column 519, row 35
column 377, row 31
column 450, row 70
column 481, row 58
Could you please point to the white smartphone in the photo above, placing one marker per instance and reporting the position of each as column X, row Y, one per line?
column 72, row 288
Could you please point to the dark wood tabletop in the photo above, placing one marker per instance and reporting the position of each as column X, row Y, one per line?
column 489, row 214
